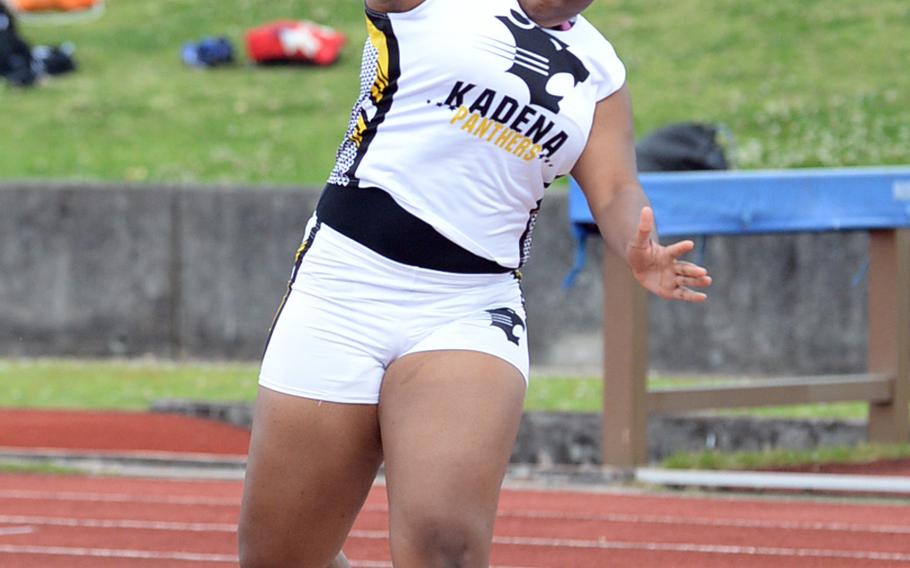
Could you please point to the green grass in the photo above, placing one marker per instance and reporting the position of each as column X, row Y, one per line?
column 121, row 385
column 134, row 112
column 809, row 83
column 135, row 385
column 585, row 395
column 37, row 468
column 830, row 410
column 778, row 458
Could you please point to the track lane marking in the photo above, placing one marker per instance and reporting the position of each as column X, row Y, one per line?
column 153, row 525
column 609, row 517
column 617, row 518
column 705, row 549
column 681, row 547
column 601, row 544
column 118, row 498
column 119, row 524
column 708, row 522
column 385, row 564
column 8, row 531
column 118, row 553
column 162, row 555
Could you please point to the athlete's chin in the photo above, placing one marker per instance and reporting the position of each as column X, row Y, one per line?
column 553, row 12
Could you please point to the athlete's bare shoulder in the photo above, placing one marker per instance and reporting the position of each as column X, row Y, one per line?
column 393, row 5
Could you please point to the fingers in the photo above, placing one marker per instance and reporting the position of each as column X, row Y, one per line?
column 664, row 274
column 681, row 248
column 687, row 295
column 645, row 228
column 683, row 268
column 700, row 282
column 690, row 276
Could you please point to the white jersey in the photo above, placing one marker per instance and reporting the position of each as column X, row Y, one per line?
column 468, row 111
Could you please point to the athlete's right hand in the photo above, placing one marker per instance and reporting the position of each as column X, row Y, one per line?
column 658, row 268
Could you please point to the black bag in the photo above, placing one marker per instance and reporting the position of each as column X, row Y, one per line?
column 53, row 60
column 15, row 55
column 682, row 147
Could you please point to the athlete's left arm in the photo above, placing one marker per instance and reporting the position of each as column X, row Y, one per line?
column 608, row 176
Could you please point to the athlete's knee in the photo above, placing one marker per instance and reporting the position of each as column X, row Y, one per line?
column 446, row 542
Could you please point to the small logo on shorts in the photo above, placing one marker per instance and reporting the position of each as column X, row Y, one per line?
column 509, row 322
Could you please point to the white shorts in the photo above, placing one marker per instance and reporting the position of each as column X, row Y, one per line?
column 351, row 312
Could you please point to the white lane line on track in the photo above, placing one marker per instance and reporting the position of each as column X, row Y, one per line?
column 501, row 540
column 708, row 522
column 118, row 524
column 679, row 547
column 700, row 521
column 120, row 498
column 706, row 549
column 159, row 555
column 383, row 564
column 538, row 515
column 16, row 530
column 116, row 553
column 610, row 517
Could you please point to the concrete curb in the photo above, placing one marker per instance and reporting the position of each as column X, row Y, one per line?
column 131, row 463
column 761, row 480
column 172, row 465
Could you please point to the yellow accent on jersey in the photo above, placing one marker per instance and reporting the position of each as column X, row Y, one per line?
column 499, row 135
column 378, row 39
column 301, row 250
column 357, row 135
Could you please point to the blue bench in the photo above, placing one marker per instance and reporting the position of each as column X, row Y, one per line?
column 767, row 201
column 760, row 202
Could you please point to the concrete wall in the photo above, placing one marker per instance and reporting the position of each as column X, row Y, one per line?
column 779, row 304
column 167, row 271
column 574, row 438
column 101, row 270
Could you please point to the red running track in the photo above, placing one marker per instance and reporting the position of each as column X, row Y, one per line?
column 80, row 521
column 79, row 430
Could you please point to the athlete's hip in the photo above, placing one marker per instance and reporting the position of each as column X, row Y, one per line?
column 335, row 267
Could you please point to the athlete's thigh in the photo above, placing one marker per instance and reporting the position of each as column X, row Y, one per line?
column 310, row 467
column 449, row 421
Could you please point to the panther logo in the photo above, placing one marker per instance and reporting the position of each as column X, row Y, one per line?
column 509, row 322
column 536, row 58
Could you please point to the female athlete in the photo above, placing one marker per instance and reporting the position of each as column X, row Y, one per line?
column 402, row 337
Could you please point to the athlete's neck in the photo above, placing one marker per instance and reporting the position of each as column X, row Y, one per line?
column 552, row 13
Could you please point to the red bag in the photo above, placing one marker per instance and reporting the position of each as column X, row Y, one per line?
column 287, row 40
column 50, row 5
